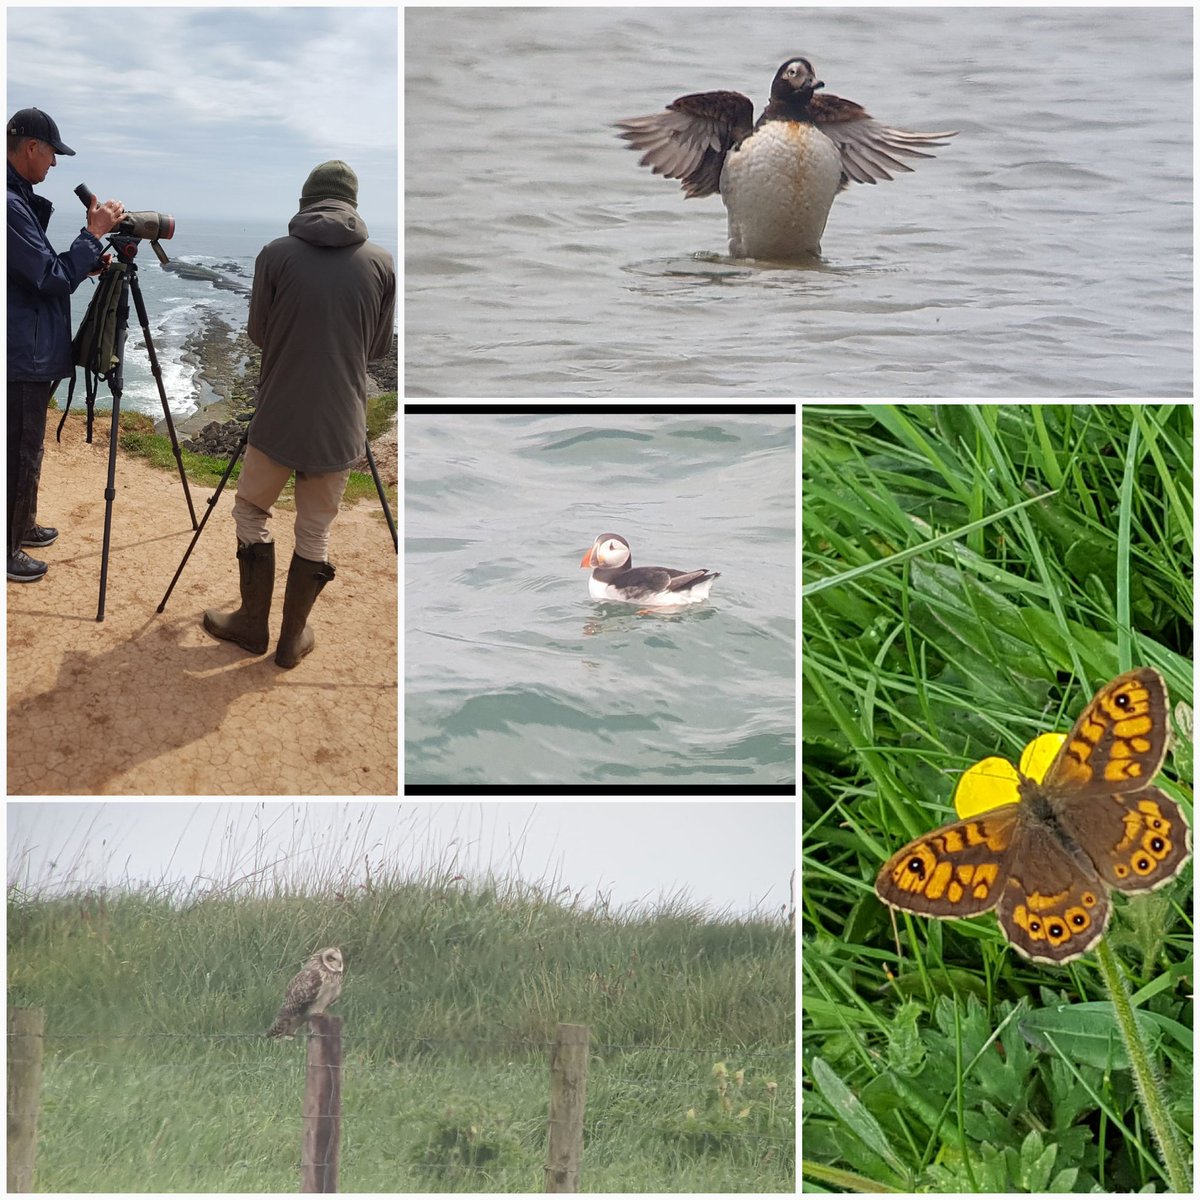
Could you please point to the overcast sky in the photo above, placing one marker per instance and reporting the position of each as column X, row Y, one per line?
column 734, row 857
column 212, row 112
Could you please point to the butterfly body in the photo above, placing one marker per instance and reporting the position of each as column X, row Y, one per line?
column 1046, row 864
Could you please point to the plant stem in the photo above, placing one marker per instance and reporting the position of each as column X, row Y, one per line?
column 1144, row 1076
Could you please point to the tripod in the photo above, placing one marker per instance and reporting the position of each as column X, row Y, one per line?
column 126, row 247
column 212, row 503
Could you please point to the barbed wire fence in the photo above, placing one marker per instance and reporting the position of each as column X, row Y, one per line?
column 462, row 1149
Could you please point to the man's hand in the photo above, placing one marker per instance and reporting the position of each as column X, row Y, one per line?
column 102, row 266
column 103, row 218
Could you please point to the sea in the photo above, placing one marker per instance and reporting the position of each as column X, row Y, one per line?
column 177, row 306
column 1045, row 251
column 514, row 676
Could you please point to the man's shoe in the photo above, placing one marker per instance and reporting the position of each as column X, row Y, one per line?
column 23, row 569
column 40, row 535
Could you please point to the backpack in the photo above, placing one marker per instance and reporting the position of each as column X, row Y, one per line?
column 94, row 346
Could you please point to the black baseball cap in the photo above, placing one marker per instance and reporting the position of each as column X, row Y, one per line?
column 33, row 123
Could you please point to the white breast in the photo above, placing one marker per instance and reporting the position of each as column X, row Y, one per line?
column 693, row 595
column 602, row 591
column 329, row 991
column 778, row 186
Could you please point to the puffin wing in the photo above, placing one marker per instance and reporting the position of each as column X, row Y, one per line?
column 689, row 139
column 643, row 581
column 868, row 149
column 682, row 580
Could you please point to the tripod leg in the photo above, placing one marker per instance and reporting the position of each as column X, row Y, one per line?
column 91, row 387
column 115, row 378
column 139, row 303
column 110, row 494
column 387, row 512
column 212, row 503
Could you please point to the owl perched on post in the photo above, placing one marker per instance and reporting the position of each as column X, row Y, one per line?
column 312, row 991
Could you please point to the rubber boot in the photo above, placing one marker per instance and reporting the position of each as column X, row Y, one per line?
column 304, row 583
column 248, row 625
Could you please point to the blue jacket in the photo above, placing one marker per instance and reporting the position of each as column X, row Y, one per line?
column 40, row 284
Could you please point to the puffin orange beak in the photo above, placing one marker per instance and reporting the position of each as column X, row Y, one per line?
column 589, row 559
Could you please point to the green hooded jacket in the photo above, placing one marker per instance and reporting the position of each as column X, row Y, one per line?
column 323, row 305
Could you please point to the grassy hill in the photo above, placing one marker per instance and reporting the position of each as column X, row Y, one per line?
column 158, row 1078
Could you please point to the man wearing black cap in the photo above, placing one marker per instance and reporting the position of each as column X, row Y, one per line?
column 40, row 284
column 322, row 306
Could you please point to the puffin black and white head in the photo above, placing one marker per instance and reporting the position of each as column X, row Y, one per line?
column 614, row 577
column 778, row 177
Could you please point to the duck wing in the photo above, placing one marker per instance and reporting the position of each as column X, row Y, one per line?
column 689, row 139
column 868, row 149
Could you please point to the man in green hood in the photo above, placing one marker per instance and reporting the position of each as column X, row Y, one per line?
column 322, row 307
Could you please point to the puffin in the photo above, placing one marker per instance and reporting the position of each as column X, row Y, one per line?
column 614, row 577
column 778, row 176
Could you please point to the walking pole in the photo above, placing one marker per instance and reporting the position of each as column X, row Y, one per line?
column 212, row 503
column 387, row 512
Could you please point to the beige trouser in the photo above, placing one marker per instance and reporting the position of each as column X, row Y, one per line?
column 317, row 499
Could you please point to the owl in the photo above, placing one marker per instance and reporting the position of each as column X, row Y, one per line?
column 312, row 991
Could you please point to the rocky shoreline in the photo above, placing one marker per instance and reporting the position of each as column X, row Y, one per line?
column 226, row 364
column 223, row 362
column 219, row 277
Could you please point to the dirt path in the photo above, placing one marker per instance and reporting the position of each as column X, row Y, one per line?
column 150, row 704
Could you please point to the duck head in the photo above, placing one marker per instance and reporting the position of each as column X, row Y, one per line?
column 795, row 82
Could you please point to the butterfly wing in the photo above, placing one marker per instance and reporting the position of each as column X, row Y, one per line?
column 958, row 870
column 1118, row 743
column 1053, row 905
column 1138, row 842
column 1098, row 786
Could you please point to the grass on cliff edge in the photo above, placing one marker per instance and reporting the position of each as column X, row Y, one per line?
column 139, row 438
column 157, row 1076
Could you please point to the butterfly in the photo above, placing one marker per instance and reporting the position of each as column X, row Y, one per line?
column 1047, row 863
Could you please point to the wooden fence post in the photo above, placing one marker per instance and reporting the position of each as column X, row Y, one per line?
column 322, row 1106
column 568, row 1094
column 26, row 1027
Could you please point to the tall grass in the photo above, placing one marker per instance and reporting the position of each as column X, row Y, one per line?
column 156, row 996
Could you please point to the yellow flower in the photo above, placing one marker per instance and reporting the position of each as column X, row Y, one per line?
column 993, row 781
